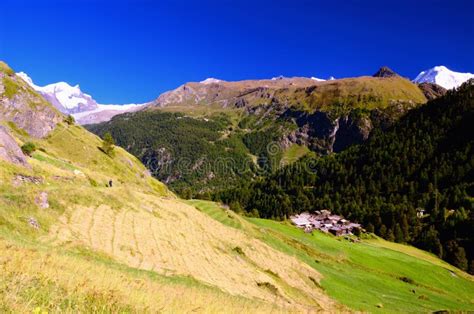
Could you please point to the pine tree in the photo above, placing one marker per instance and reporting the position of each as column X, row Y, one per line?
column 108, row 144
column 460, row 259
column 370, row 228
column 399, row 234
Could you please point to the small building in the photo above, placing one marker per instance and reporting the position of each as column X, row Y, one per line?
column 324, row 221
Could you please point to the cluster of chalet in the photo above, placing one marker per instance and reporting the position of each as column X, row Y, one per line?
column 323, row 220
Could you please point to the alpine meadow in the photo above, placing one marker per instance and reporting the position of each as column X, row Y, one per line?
column 236, row 157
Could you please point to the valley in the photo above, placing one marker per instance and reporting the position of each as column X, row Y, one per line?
column 255, row 126
column 71, row 241
column 236, row 157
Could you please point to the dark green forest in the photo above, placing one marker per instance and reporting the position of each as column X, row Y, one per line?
column 194, row 155
column 413, row 183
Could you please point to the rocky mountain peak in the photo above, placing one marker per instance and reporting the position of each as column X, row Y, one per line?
column 385, row 71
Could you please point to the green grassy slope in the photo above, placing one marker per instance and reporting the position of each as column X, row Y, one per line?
column 362, row 92
column 372, row 275
column 293, row 153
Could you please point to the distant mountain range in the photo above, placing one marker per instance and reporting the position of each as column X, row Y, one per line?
column 71, row 100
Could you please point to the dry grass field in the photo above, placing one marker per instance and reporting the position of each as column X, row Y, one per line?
column 172, row 238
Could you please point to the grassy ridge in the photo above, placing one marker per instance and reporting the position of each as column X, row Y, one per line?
column 38, row 275
column 363, row 92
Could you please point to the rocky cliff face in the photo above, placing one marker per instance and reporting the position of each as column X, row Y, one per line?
column 21, row 105
column 323, row 133
column 9, row 149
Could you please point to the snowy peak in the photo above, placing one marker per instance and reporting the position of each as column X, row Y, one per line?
column 68, row 99
column 210, row 80
column 71, row 100
column 443, row 76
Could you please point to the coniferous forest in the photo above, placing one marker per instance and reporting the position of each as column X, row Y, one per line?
column 413, row 183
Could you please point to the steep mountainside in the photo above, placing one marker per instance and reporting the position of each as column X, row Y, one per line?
column 23, row 107
column 413, row 183
column 86, row 231
column 443, row 76
column 249, row 128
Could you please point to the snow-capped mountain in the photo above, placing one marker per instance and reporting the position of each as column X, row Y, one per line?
column 68, row 99
column 71, row 100
column 443, row 76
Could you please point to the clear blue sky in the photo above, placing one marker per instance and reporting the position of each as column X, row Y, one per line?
column 131, row 51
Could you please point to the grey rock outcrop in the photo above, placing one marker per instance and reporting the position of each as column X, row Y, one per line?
column 42, row 200
column 9, row 149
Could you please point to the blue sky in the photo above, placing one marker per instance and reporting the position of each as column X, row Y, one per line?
column 131, row 51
